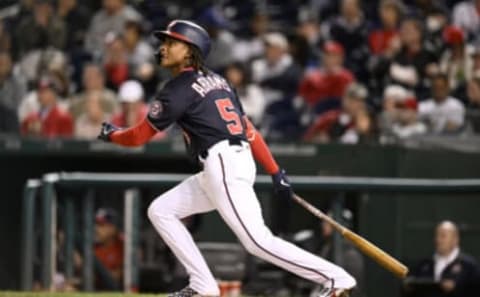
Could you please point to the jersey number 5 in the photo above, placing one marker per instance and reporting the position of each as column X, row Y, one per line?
column 227, row 112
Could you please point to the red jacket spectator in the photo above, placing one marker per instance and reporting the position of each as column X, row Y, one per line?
column 55, row 122
column 318, row 85
column 50, row 120
column 329, row 81
column 379, row 40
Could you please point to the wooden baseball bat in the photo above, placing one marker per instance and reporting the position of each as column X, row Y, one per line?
column 368, row 248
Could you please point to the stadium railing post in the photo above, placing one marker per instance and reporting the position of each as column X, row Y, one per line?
column 88, row 257
column 49, row 209
column 132, row 230
column 69, row 227
column 28, row 240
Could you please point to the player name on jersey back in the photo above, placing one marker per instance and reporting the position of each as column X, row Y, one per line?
column 211, row 82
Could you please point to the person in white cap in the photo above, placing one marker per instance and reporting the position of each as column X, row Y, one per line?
column 133, row 107
column 399, row 118
column 278, row 76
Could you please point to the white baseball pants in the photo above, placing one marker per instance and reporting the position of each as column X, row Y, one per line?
column 226, row 185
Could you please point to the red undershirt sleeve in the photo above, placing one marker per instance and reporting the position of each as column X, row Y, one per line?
column 260, row 150
column 134, row 136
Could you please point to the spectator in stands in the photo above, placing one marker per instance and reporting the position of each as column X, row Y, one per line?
column 249, row 93
column 140, row 56
column 86, row 125
column 76, row 16
column 466, row 15
column 252, row 46
column 133, row 108
column 381, row 39
column 40, row 30
column 442, row 113
column 109, row 248
column 322, row 89
column 111, row 18
column 411, row 65
column 33, row 64
column 51, row 120
column 115, row 61
column 457, row 273
column 8, row 121
column 12, row 87
column 473, row 91
column 93, row 82
column 5, row 38
column 349, row 125
column 456, row 60
column 399, row 118
column 308, row 29
column 350, row 29
column 223, row 42
column 278, row 76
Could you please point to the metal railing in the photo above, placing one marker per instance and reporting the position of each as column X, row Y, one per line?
column 50, row 182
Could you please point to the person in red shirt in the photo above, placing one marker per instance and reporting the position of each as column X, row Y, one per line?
column 329, row 82
column 108, row 245
column 51, row 120
column 382, row 39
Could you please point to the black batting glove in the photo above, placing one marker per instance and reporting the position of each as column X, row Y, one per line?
column 107, row 130
column 281, row 185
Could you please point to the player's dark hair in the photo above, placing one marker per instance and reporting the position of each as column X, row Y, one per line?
column 196, row 59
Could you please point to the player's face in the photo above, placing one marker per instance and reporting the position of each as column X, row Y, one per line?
column 174, row 53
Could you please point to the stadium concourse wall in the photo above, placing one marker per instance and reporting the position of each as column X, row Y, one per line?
column 392, row 220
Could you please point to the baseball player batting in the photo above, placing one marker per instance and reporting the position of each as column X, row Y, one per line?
column 222, row 139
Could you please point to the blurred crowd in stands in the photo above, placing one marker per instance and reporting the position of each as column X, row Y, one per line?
column 346, row 71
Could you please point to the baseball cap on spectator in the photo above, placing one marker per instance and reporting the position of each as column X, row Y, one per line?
column 107, row 216
column 276, row 39
column 453, row 35
column 356, row 91
column 395, row 92
column 333, row 47
column 402, row 97
column 130, row 91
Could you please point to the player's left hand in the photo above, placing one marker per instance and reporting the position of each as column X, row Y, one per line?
column 107, row 130
column 281, row 185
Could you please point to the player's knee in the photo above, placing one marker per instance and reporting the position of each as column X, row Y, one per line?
column 151, row 211
column 350, row 280
column 155, row 211
column 346, row 279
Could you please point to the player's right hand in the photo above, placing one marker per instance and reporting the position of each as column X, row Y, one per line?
column 281, row 185
column 107, row 130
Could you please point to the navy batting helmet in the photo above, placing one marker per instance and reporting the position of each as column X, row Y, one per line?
column 188, row 32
